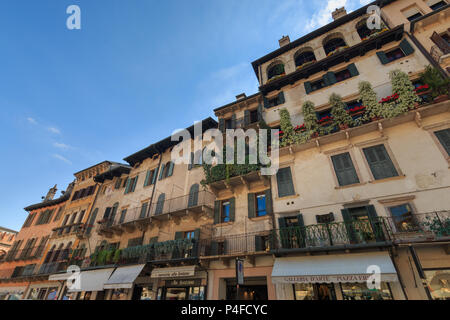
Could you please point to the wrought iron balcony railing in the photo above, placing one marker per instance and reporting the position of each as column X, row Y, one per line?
column 336, row 235
column 24, row 254
column 74, row 228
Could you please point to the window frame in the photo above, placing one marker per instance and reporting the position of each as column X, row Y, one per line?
column 222, row 206
column 257, row 211
column 439, row 127
column 295, row 194
column 339, row 151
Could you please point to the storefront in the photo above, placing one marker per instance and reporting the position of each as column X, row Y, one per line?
column 89, row 285
column 180, row 283
column 12, row 293
column 254, row 288
column 120, row 284
column 335, row 277
column 438, row 282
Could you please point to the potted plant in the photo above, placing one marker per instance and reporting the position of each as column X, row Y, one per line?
column 437, row 83
column 310, row 118
column 404, row 97
column 339, row 113
column 373, row 109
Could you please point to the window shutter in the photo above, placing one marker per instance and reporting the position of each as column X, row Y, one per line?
column 259, row 244
column 444, row 138
column 284, row 181
column 143, row 210
column 197, row 234
column 193, row 196
column 233, row 121
column 441, row 43
column 214, row 249
column 353, row 71
column 344, row 169
column 246, row 117
column 269, row 203
column 266, row 103
column 127, row 189
column 382, row 56
column 251, row 205
column 331, row 78
column 348, row 220
column 160, row 203
column 135, row 183
column 232, row 209
column 170, row 171
column 326, row 81
column 161, row 172
column 118, row 183
column 260, row 113
column 107, row 213
column 282, row 223
column 308, row 87
column 113, row 215
column 222, row 125
column 155, row 175
column 406, row 47
column 380, row 163
column 122, row 216
column 281, row 99
column 147, row 178
column 377, row 225
column 191, row 163
column 179, row 235
column 217, row 205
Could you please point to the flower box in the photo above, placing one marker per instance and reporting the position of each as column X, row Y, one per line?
column 389, row 99
column 325, row 121
column 306, row 64
column 357, row 111
column 340, row 49
column 425, row 89
column 301, row 128
column 276, row 77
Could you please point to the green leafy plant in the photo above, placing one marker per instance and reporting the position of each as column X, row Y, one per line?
column 403, row 87
column 310, row 118
column 339, row 112
column 437, row 83
column 374, row 109
column 289, row 134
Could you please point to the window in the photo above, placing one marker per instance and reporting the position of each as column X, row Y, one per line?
column 412, row 13
column 317, row 85
column 135, row 242
column 414, row 16
column 360, row 291
column 380, row 163
column 131, row 184
column 261, row 205
column 122, row 216
column 362, row 29
column 225, row 216
column 342, row 75
column 304, row 57
column 333, row 44
column 118, row 184
column 193, row 195
column 228, row 124
column 189, row 235
column 160, row 204
column 395, row 54
column 253, row 116
column 344, row 169
column 144, row 209
column 275, row 101
column 444, row 138
column 402, row 218
column 439, row 284
column 285, row 184
column 275, row 71
column 404, row 49
column 437, row 5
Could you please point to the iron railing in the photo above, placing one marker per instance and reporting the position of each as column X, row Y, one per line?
column 69, row 229
column 329, row 235
column 232, row 245
column 24, row 254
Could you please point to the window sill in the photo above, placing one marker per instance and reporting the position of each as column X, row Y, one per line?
column 224, row 224
column 288, row 197
column 388, row 179
column 350, row 185
column 266, row 217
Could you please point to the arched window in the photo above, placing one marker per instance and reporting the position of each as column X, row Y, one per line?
column 58, row 253
column 304, row 57
column 66, row 251
column 333, row 44
column 160, row 204
column 49, row 254
column 193, row 195
column 113, row 214
column 363, row 31
column 275, row 71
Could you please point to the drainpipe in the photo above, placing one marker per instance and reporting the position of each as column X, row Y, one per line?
column 420, row 270
column 391, row 254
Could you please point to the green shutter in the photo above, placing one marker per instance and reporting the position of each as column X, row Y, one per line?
column 348, row 221
column 222, row 125
column 269, row 203
column 353, row 71
column 147, row 178
column 326, row 81
column 302, row 231
column 406, row 47
column 266, row 103
column 246, row 117
column 170, row 171
column 380, row 163
column 233, row 121
column 217, row 207
column 118, row 183
column 179, row 235
column 377, row 224
column 127, row 189
column 281, row 99
column 382, row 56
column 251, row 205
column 134, row 184
column 331, row 78
column 444, row 138
column 214, row 248
column 260, row 113
column 161, row 172
column 197, row 234
column 344, row 169
column 155, row 175
column 308, row 87
column 285, row 184
column 143, row 210
column 232, row 209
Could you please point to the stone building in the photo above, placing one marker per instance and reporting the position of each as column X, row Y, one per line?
column 7, row 237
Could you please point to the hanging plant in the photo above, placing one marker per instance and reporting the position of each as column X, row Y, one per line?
column 404, row 89
column 288, row 132
column 374, row 109
column 339, row 112
column 438, row 85
column 310, row 118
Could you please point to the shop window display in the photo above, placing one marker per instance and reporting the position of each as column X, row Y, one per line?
column 310, row 291
column 439, row 284
column 119, row 294
column 360, row 291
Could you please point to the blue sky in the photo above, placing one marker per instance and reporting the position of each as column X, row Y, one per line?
column 136, row 71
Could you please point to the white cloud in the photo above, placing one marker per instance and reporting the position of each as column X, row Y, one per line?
column 31, row 120
column 323, row 16
column 61, row 146
column 60, row 157
column 54, row 130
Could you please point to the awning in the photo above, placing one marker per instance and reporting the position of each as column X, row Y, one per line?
column 333, row 268
column 12, row 290
column 124, row 277
column 59, row 276
column 93, row 280
column 178, row 272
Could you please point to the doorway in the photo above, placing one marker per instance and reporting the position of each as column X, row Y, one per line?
column 254, row 289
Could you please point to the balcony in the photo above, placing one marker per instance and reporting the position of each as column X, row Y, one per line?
column 227, row 248
column 75, row 228
column 196, row 205
column 424, row 227
column 362, row 233
column 24, row 254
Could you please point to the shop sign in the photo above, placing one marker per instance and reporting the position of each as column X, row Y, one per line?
column 326, row 279
column 184, row 283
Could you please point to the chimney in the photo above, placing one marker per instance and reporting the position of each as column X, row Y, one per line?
column 70, row 188
column 51, row 194
column 338, row 13
column 284, row 41
column 241, row 96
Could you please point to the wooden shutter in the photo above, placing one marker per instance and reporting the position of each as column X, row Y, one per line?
column 377, row 225
column 259, row 244
column 302, row 231
column 118, row 184
column 193, row 196
column 217, row 209
column 214, row 248
column 406, row 47
column 107, row 213
column 380, row 163
column 353, row 70
column 222, row 125
column 170, row 170
column 246, row 117
column 348, row 221
column 266, row 103
column 160, row 204
column 161, row 172
column 135, row 183
column 155, row 175
column 444, row 138
column 308, row 87
column 144, row 210
column 282, row 223
column 251, row 205
column 179, row 235
column 127, row 188
column 383, row 58
column 441, row 43
column 331, row 78
column 269, row 203
column 122, row 216
column 281, row 99
column 147, row 178
column 197, row 234
column 232, row 209
column 344, row 169
column 233, row 121
column 284, row 181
